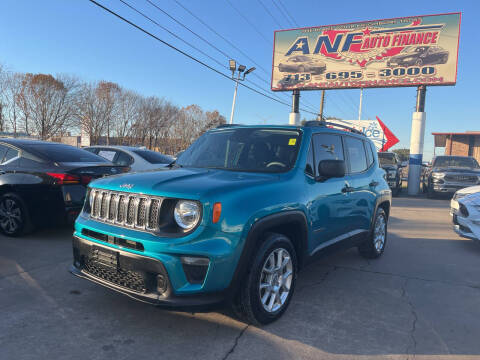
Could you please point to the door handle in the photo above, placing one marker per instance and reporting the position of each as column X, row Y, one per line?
column 347, row 189
column 373, row 183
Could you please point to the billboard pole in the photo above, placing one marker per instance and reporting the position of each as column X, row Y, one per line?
column 360, row 105
column 416, row 143
column 294, row 118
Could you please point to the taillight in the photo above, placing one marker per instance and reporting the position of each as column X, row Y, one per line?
column 85, row 179
column 63, row 179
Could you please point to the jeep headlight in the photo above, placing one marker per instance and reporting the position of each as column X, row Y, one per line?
column 187, row 214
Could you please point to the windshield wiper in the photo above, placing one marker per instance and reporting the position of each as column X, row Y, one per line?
column 174, row 164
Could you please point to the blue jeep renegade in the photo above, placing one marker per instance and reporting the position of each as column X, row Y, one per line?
column 235, row 218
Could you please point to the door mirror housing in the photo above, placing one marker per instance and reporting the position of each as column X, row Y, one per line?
column 330, row 169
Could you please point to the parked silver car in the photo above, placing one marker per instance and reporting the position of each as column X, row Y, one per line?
column 137, row 158
column 466, row 215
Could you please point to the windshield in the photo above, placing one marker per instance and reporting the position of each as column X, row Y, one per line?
column 244, row 149
column 456, row 161
column 64, row 153
column 386, row 159
column 153, row 157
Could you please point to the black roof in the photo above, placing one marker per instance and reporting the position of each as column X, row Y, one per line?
column 20, row 142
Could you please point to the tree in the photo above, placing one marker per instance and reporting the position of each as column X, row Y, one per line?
column 95, row 108
column 403, row 154
column 49, row 102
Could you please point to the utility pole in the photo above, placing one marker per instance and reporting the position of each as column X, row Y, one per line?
column 322, row 105
column 360, row 106
column 416, row 142
column 294, row 118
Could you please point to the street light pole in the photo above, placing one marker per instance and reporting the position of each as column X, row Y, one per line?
column 241, row 69
column 234, row 98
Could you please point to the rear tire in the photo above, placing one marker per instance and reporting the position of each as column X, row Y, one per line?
column 14, row 217
column 267, row 288
column 374, row 246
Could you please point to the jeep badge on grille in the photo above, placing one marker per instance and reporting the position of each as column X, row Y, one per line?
column 127, row 186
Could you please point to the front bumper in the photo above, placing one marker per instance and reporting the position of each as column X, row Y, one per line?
column 462, row 226
column 139, row 277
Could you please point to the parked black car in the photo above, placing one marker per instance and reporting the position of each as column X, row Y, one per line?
column 392, row 165
column 422, row 55
column 44, row 182
column 449, row 174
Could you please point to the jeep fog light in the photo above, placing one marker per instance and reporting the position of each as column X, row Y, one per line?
column 187, row 214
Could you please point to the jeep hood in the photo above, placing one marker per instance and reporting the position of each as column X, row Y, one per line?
column 183, row 182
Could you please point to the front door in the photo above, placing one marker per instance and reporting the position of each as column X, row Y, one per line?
column 329, row 201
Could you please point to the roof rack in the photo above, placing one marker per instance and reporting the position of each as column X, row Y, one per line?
column 226, row 125
column 314, row 123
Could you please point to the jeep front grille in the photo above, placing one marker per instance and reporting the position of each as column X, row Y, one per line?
column 128, row 210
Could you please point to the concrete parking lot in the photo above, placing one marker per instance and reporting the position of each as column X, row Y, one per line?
column 421, row 299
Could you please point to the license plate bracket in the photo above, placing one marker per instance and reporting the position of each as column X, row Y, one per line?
column 104, row 257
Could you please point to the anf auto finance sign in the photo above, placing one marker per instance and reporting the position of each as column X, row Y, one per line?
column 420, row 50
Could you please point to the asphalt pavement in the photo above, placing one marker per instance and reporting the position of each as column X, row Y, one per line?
column 420, row 300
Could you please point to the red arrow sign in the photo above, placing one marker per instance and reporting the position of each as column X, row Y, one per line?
column 391, row 139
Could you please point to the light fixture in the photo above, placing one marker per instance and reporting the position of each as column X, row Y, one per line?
column 249, row 70
column 233, row 65
column 241, row 68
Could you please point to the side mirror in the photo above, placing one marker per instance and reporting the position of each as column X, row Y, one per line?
column 330, row 169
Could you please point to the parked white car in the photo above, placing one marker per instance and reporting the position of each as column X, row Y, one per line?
column 466, row 216
column 137, row 158
column 460, row 194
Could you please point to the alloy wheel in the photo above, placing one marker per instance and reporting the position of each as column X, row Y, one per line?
column 10, row 216
column 379, row 234
column 276, row 280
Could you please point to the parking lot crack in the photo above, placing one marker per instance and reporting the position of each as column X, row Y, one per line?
column 363, row 269
column 232, row 349
column 412, row 348
column 319, row 282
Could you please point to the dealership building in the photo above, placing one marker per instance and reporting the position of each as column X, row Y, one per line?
column 461, row 144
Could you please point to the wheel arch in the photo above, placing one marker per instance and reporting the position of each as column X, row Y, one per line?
column 292, row 224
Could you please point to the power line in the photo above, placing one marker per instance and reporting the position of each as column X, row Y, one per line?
column 283, row 14
column 236, row 48
column 249, row 22
column 183, row 52
column 269, row 13
column 288, row 13
column 187, row 43
column 170, row 32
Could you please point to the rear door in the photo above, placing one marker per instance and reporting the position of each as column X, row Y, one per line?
column 361, row 170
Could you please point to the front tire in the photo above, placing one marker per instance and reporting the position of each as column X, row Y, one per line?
column 269, row 285
column 374, row 246
column 14, row 216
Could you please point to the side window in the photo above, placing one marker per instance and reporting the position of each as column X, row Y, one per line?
column 356, row 154
column 327, row 147
column 123, row 159
column 11, row 153
column 310, row 164
column 107, row 154
column 3, row 151
column 92, row 150
column 368, row 150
